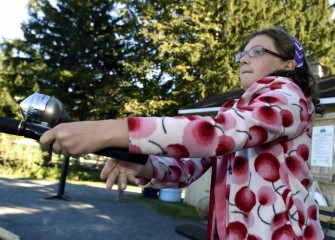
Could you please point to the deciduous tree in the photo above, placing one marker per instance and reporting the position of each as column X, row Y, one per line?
column 149, row 57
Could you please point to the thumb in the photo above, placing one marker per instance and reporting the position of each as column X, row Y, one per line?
column 133, row 179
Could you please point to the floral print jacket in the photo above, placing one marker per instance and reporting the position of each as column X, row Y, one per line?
column 259, row 148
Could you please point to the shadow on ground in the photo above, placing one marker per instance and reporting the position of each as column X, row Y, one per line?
column 92, row 214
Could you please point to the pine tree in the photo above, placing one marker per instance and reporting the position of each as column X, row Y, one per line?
column 71, row 50
column 8, row 107
column 108, row 59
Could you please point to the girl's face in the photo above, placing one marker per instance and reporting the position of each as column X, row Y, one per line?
column 261, row 64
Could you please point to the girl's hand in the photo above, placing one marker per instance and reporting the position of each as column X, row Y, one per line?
column 80, row 138
column 124, row 171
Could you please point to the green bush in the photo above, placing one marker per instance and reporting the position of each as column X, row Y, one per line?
column 23, row 158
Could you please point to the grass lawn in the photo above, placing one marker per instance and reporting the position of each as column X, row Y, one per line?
column 175, row 209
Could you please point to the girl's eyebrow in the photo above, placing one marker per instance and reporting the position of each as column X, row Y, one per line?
column 257, row 45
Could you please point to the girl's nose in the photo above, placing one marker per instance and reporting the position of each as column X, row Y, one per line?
column 245, row 59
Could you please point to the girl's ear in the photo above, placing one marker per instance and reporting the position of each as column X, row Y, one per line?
column 289, row 65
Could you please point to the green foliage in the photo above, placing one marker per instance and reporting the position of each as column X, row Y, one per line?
column 109, row 59
column 76, row 174
column 175, row 209
column 20, row 158
column 8, row 106
column 71, row 50
column 195, row 41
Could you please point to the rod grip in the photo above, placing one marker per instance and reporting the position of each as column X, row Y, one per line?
column 123, row 154
column 33, row 131
column 10, row 126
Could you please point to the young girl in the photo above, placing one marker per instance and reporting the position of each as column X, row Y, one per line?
column 258, row 146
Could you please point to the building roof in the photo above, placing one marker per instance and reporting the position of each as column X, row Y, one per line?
column 212, row 104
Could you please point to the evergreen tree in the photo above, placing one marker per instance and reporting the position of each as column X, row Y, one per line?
column 8, row 107
column 107, row 58
column 72, row 50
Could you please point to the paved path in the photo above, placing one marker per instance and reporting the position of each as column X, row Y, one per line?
column 94, row 214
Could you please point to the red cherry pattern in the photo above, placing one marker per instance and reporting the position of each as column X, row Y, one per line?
column 245, row 199
column 267, row 166
column 257, row 136
column 236, row 230
column 240, row 170
column 265, row 138
column 226, row 145
column 266, row 196
column 287, row 118
column 177, row 150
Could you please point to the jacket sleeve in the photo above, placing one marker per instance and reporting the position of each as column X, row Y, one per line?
column 175, row 172
column 272, row 109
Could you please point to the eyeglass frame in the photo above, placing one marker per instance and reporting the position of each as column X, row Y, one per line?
column 241, row 54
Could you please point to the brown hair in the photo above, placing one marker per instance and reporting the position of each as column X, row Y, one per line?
column 302, row 76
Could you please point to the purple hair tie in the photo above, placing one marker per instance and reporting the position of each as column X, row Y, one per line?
column 299, row 53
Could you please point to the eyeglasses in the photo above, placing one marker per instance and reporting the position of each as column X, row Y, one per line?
column 256, row 52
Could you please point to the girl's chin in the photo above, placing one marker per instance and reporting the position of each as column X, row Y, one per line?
column 245, row 84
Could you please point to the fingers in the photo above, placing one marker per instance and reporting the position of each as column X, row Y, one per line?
column 123, row 181
column 111, row 179
column 117, row 169
column 64, row 139
column 110, row 173
column 109, row 166
column 47, row 139
column 57, row 148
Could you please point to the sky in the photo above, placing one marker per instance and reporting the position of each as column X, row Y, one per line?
column 13, row 12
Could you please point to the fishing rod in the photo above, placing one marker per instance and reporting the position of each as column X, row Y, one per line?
column 42, row 112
